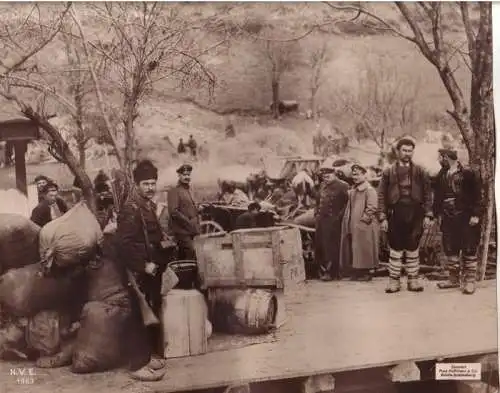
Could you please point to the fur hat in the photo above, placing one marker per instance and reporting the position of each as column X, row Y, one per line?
column 40, row 178
column 51, row 185
column 145, row 170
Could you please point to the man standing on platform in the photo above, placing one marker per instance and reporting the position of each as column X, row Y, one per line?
column 405, row 203
column 457, row 198
column 184, row 222
column 139, row 240
column 330, row 209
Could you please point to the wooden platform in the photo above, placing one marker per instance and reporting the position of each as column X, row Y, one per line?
column 332, row 327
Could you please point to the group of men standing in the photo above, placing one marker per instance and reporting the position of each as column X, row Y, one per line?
column 349, row 221
column 139, row 245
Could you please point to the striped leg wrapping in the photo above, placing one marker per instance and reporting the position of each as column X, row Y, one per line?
column 395, row 264
column 453, row 266
column 413, row 267
column 412, row 264
column 470, row 268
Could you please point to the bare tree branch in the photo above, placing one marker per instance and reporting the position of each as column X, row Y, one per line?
column 40, row 46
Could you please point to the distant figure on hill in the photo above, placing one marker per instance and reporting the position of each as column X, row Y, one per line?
column 230, row 131
column 204, row 151
column 181, row 147
column 192, row 145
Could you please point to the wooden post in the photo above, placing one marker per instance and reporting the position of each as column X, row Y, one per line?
column 20, row 162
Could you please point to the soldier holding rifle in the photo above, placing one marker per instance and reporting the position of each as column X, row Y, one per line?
column 140, row 247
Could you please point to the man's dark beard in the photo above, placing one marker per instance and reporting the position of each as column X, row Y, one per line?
column 445, row 164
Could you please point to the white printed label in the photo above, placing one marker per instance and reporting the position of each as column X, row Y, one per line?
column 458, row 371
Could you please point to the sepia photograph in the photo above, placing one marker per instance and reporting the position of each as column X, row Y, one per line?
column 247, row 197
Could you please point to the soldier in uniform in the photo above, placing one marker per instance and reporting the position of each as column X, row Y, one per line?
column 139, row 245
column 184, row 222
column 405, row 203
column 457, row 198
column 333, row 198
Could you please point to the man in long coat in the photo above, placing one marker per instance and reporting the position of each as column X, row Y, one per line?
column 184, row 222
column 329, row 212
column 360, row 233
column 457, row 200
column 139, row 245
column 405, row 203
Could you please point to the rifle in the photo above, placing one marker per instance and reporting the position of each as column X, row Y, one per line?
column 148, row 316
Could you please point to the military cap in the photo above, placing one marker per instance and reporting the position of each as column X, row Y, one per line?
column 184, row 168
column 358, row 166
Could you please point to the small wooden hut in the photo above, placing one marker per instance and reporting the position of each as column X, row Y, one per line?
column 19, row 132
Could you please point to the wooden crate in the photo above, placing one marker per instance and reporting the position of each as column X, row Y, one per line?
column 257, row 257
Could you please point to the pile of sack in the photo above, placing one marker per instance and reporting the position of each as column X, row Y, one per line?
column 62, row 301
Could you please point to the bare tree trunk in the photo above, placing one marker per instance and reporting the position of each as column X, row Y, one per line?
column 486, row 230
column 81, row 146
column 275, row 85
column 67, row 156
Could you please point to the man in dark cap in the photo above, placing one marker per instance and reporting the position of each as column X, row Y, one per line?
column 184, row 222
column 457, row 201
column 405, row 203
column 51, row 206
column 139, row 245
column 248, row 219
column 40, row 182
column 333, row 197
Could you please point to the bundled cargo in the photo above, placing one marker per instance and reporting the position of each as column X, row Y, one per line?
column 12, row 342
column 26, row 291
column 45, row 331
column 100, row 340
column 18, row 241
column 71, row 239
column 105, row 281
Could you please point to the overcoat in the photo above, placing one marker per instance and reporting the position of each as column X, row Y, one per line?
column 360, row 231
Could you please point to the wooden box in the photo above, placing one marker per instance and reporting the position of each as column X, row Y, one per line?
column 184, row 322
column 260, row 257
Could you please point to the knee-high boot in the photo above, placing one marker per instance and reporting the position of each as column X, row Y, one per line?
column 395, row 264
column 412, row 268
column 469, row 271
column 453, row 267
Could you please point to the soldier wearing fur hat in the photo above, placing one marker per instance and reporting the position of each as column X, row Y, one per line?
column 405, row 205
column 184, row 223
column 139, row 245
column 332, row 201
column 457, row 197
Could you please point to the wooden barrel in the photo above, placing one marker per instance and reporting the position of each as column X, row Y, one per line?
column 237, row 311
column 184, row 323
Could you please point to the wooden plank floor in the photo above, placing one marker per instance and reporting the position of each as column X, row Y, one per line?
column 332, row 327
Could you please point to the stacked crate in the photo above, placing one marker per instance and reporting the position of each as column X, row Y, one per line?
column 245, row 264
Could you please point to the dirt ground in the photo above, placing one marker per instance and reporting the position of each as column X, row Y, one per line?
column 330, row 327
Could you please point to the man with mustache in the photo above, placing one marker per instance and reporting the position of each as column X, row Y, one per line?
column 457, row 201
column 139, row 245
column 184, row 222
column 405, row 204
